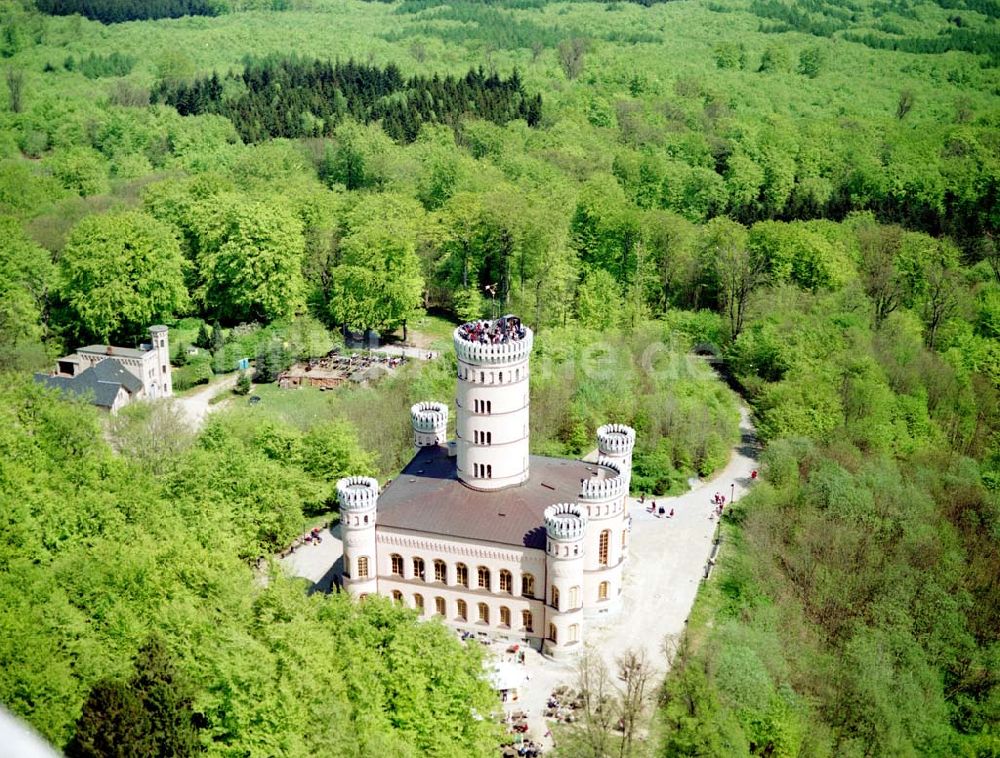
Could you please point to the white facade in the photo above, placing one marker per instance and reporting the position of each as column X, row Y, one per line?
column 491, row 401
column 445, row 548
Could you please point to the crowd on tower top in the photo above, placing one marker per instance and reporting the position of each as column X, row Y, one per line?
column 497, row 332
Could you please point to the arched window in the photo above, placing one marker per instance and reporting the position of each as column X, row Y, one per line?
column 602, row 591
column 475, row 470
column 527, row 585
column 483, row 577
column 439, row 606
column 501, row 377
column 489, row 438
column 574, row 597
column 482, row 380
column 624, row 538
column 489, row 406
column 397, row 596
column 462, row 574
column 475, row 437
column 526, row 621
column 574, row 632
column 366, row 518
column 440, row 571
column 484, row 613
column 397, row 564
column 363, row 567
column 602, row 547
column 418, row 603
column 489, row 470
column 418, row 569
column 504, row 616
column 552, row 633
column 506, row 581
column 463, row 610
column 517, row 374
column 555, row 597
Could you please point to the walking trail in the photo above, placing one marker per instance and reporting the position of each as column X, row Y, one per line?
column 197, row 405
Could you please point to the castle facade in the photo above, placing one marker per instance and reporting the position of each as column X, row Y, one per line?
column 480, row 532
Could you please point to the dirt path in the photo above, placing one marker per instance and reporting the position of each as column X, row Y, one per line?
column 197, row 405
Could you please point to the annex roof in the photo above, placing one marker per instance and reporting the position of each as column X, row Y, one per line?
column 111, row 351
column 102, row 381
column 427, row 497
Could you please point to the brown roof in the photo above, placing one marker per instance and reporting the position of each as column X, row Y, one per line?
column 427, row 497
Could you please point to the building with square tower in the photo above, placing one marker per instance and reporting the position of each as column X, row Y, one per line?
column 480, row 532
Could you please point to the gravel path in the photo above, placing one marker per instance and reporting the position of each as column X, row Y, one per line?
column 196, row 406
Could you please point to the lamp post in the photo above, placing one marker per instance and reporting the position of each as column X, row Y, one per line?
column 732, row 493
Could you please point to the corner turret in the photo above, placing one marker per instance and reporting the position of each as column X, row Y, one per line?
column 430, row 424
column 358, row 499
column 565, row 530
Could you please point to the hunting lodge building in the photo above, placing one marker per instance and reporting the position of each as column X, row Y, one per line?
column 479, row 532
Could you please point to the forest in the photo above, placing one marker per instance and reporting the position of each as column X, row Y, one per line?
column 295, row 98
column 809, row 191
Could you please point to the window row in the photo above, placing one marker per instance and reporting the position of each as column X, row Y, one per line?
column 460, row 575
column 573, row 602
column 572, row 633
column 482, row 406
column 603, row 543
column 489, row 377
column 482, row 438
column 482, row 470
column 462, row 611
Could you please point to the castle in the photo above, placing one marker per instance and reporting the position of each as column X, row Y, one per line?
column 112, row 377
column 479, row 532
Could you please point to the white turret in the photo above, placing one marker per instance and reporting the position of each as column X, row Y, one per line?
column 430, row 424
column 604, row 497
column 565, row 531
column 492, row 402
column 616, row 441
column 164, row 386
column 358, row 498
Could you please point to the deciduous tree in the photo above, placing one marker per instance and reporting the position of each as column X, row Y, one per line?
column 121, row 272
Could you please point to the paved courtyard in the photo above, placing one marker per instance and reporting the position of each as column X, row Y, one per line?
column 667, row 561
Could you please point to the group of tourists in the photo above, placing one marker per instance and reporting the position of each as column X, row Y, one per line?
column 498, row 332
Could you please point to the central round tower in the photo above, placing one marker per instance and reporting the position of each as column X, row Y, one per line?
column 492, row 402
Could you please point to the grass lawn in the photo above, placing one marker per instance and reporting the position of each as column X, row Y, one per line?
column 300, row 407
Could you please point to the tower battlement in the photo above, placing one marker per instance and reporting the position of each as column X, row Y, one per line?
column 565, row 522
column 497, row 342
column 430, row 423
column 615, row 440
column 357, row 493
column 605, row 488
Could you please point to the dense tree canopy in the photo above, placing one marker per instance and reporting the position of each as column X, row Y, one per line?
column 807, row 190
column 120, row 273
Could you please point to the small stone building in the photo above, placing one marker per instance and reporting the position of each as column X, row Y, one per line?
column 115, row 376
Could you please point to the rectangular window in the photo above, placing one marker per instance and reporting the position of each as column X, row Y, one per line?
column 602, row 547
column 362, row 567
